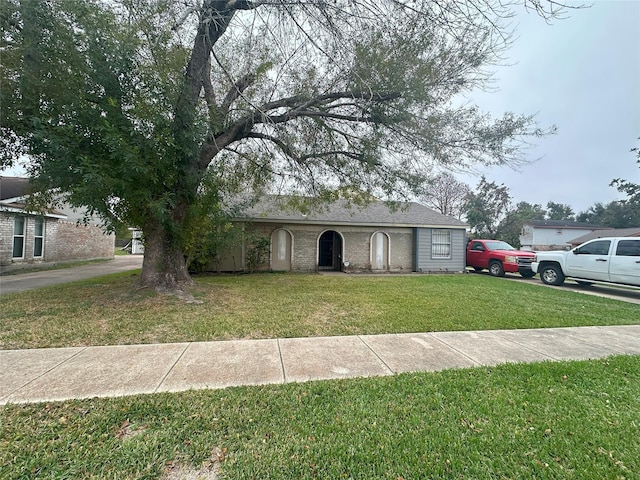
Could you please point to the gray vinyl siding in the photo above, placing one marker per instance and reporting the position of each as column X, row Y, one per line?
column 424, row 262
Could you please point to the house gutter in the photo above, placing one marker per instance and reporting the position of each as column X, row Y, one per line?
column 22, row 211
column 349, row 224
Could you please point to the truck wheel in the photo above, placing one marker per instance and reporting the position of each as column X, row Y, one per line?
column 551, row 275
column 527, row 273
column 496, row 269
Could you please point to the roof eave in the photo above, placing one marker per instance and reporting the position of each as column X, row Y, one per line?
column 348, row 224
column 14, row 209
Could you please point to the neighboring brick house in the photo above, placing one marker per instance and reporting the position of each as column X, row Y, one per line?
column 413, row 238
column 54, row 236
column 542, row 235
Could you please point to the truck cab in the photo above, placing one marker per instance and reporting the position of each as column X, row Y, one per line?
column 498, row 257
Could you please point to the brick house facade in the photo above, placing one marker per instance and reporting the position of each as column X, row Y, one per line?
column 53, row 236
column 371, row 238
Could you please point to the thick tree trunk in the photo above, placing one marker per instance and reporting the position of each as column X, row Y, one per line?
column 164, row 267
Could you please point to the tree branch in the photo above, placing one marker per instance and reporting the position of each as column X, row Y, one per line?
column 299, row 108
column 236, row 91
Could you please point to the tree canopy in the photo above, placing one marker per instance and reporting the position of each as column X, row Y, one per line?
column 486, row 207
column 631, row 189
column 128, row 106
column 445, row 194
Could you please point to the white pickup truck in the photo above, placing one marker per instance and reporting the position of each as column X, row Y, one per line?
column 609, row 260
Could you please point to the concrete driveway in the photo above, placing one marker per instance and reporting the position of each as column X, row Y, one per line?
column 21, row 282
column 623, row 294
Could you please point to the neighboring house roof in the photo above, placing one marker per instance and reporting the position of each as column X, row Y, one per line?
column 13, row 187
column 564, row 224
column 341, row 212
column 612, row 232
column 14, row 192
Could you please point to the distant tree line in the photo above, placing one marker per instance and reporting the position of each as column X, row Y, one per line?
column 491, row 214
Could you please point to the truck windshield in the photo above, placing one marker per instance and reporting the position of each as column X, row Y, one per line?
column 497, row 245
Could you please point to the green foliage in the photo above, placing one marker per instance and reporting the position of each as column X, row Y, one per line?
column 615, row 214
column 618, row 214
column 486, row 207
column 76, row 110
column 124, row 109
column 207, row 243
column 510, row 227
column 559, row 211
column 258, row 247
column 631, row 189
column 208, row 229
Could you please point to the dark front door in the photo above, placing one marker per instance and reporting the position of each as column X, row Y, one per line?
column 330, row 251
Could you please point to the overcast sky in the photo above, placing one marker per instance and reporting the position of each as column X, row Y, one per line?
column 581, row 74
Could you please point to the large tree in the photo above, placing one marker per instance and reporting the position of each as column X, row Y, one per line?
column 486, row 208
column 128, row 106
column 560, row 211
column 445, row 194
column 616, row 214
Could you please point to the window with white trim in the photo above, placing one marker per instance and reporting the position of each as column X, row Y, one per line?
column 38, row 237
column 19, row 225
column 441, row 244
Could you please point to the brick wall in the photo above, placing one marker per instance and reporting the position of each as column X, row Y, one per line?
column 62, row 241
column 356, row 245
column 72, row 241
column 6, row 238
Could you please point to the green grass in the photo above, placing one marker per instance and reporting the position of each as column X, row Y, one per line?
column 108, row 310
column 545, row 421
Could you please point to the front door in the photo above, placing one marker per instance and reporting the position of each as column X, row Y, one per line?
column 379, row 251
column 330, row 251
column 281, row 250
column 590, row 260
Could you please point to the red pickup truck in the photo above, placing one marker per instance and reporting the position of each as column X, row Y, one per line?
column 498, row 257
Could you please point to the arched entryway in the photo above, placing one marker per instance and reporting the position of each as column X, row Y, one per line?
column 281, row 250
column 330, row 251
column 379, row 251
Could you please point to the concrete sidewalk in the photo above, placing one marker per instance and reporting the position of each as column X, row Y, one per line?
column 107, row 371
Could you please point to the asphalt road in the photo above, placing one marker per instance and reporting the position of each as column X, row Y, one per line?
column 21, row 282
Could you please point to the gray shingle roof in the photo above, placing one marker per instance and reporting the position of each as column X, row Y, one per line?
column 410, row 214
column 12, row 187
column 562, row 224
column 13, row 192
column 613, row 232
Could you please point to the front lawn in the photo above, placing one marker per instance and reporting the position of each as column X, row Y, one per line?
column 108, row 310
column 565, row 420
